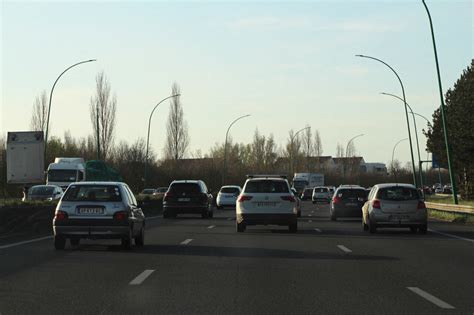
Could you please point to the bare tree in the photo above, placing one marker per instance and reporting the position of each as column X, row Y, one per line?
column 177, row 142
column 103, row 108
column 317, row 144
column 351, row 150
column 40, row 112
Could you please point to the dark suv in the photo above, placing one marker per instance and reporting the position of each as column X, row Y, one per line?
column 347, row 201
column 188, row 196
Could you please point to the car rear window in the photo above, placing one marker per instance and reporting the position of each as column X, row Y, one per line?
column 397, row 193
column 267, row 186
column 321, row 190
column 351, row 193
column 230, row 190
column 100, row 193
column 189, row 188
column 41, row 190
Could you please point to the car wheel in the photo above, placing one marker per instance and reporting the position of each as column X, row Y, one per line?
column 205, row 214
column 365, row 227
column 293, row 228
column 314, row 202
column 333, row 216
column 140, row 239
column 240, row 227
column 372, row 228
column 59, row 242
column 220, row 207
column 211, row 214
column 299, row 214
column 166, row 215
column 75, row 241
column 423, row 229
column 127, row 241
column 413, row 229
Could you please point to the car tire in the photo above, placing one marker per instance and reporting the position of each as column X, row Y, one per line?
column 333, row 216
column 240, row 227
column 413, row 229
column 74, row 241
column 211, row 214
column 166, row 214
column 365, row 227
column 372, row 227
column 220, row 207
column 140, row 239
column 204, row 214
column 127, row 241
column 59, row 242
column 293, row 228
column 314, row 202
column 423, row 229
column 298, row 214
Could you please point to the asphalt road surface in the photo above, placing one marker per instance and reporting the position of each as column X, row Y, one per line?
column 202, row 266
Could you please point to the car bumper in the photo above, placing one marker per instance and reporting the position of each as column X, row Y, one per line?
column 398, row 220
column 224, row 202
column 348, row 213
column 92, row 232
column 185, row 209
column 267, row 218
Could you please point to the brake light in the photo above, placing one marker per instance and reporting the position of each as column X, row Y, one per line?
column 336, row 200
column 60, row 215
column 289, row 198
column 376, row 204
column 243, row 198
column 121, row 215
column 421, row 205
column 167, row 195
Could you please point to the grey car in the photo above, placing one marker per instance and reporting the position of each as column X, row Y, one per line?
column 347, row 202
column 44, row 193
column 98, row 210
column 394, row 205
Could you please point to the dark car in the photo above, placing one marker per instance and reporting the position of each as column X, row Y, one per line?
column 188, row 196
column 307, row 194
column 98, row 210
column 347, row 202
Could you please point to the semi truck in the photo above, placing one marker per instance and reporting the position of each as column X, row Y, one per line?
column 65, row 171
column 301, row 181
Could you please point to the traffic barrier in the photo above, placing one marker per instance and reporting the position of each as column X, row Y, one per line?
column 450, row 208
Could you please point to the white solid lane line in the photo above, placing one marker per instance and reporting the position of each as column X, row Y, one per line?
column 186, row 241
column 141, row 277
column 229, row 219
column 431, row 298
column 211, row 226
column 451, row 235
column 309, row 215
column 344, row 248
column 26, row 242
column 318, row 230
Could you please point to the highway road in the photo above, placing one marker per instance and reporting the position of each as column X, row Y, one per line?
column 202, row 266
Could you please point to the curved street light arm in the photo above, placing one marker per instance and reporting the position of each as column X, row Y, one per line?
column 148, row 134
column 225, row 145
column 406, row 112
column 51, row 97
column 393, row 151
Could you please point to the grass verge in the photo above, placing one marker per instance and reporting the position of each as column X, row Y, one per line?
column 447, row 199
column 451, row 217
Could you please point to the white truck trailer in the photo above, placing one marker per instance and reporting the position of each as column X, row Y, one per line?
column 307, row 180
column 65, row 171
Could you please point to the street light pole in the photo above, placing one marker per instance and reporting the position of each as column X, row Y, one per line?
column 443, row 115
column 420, row 171
column 291, row 145
column 393, row 152
column 406, row 113
column 347, row 147
column 225, row 147
column 148, row 135
column 50, row 99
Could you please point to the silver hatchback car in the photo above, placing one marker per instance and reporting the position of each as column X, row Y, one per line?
column 394, row 205
column 98, row 210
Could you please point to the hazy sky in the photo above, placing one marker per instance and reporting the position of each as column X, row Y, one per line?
column 287, row 64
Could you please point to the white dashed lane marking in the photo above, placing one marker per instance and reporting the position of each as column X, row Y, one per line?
column 344, row 249
column 186, row 241
column 431, row 298
column 318, row 230
column 211, row 226
column 141, row 277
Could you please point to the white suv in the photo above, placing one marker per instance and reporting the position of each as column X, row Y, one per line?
column 265, row 200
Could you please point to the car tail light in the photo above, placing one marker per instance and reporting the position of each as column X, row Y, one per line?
column 376, row 204
column 120, row 215
column 167, row 195
column 60, row 215
column 243, row 198
column 421, row 205
column 289, row 198
column 336, row 200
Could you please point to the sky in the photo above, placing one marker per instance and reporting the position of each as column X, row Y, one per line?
column 287, row 64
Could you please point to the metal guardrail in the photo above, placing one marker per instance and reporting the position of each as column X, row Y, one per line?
column 450, row 208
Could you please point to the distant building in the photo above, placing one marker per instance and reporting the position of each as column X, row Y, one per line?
column 376, row 168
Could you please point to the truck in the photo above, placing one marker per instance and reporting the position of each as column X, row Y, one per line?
column 301, row 181
column 25, row 157
column 65, row 171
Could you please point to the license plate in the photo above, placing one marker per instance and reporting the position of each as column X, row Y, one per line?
column 266, row 204
column 184, row 199
column 399, row 217
column 91, row 211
